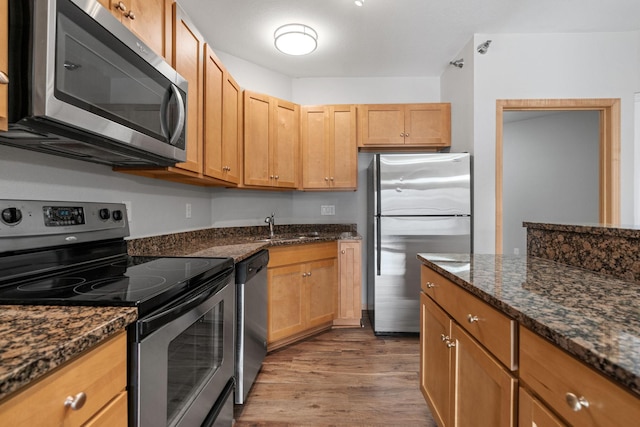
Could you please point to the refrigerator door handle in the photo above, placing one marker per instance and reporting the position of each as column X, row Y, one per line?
column 378, row 244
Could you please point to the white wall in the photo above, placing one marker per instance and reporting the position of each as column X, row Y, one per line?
column 378, row 90
column 158, row 207
column 457, row 86
column 551, row 171
column 519, row 66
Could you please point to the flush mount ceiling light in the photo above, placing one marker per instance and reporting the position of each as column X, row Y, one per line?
column 359, row 2
column 295, row 39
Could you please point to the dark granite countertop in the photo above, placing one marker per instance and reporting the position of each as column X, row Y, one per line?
column 594, row 317
column 36, row 339
column 238, row 243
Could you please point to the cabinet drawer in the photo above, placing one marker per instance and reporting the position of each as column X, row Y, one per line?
column 553, row 374
column 113, row 415
column 101, row 374
column 295, row 254
column 490, row 327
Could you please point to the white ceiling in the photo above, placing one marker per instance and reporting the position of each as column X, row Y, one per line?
column 391, row 37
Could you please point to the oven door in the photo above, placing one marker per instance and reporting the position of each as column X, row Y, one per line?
column 184, row 365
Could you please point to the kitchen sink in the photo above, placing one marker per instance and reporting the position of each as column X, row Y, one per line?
column 290, row 237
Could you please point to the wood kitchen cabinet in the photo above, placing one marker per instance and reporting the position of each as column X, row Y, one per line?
column 461, row 378
column 571, row 389
column 213, row 125
column 148, row 19
column 222, row 121
column 404, row 126
column 533, row 413
column 302, row 291
column 328, row 146
column 4, row 64
column 100, row 373
column 349, row 284
column 271, row 142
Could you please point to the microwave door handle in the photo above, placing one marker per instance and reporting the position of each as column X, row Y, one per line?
column 173, row 136
column 181, row 116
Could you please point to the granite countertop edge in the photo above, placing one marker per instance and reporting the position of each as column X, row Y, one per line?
column 56, row 335
column 624, row 377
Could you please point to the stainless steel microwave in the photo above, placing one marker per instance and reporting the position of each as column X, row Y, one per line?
column 82, row 85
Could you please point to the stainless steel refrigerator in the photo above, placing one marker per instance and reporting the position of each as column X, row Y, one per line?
column 416, row 203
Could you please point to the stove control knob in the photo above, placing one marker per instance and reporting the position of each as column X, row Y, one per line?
column 104, row 214
column 11, row 216
column 117, row 215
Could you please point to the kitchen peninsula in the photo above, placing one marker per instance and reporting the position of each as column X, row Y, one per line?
column 572, row 334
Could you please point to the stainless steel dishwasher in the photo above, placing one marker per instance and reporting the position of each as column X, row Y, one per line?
column 251, row 338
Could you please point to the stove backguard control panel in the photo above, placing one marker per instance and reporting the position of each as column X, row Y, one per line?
column 29, row 224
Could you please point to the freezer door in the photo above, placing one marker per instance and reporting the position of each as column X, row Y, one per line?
column 397, row 276
column 424, row 184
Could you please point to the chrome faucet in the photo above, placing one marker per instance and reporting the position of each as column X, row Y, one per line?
column 270, row 220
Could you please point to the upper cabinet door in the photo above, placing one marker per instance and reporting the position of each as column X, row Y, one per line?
column 315, row 147
column 212, row 115
column 285, row 151
column 231, row 128
column 428, row 124
column 187, row 60
column 4, row 64
column 344, row 151
column 148, row 19
column 381, row 124
column 257, row 157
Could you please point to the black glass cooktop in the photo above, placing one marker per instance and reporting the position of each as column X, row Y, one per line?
column 143, row 282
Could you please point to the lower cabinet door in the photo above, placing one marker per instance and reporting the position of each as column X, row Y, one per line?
column 285, row 302
column 485, row 391
column 435, row 359
column 322, row 295
column 533, row 413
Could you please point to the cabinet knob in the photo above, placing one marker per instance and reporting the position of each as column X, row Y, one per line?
column 120, row 6
column 431, row 285
column 276, row 177
column 472, row 319
column 326, row 178
column 406, row 135
column 309, row 274
column 576, row 403
column 304, row 274
column 4, row 79
column 76, row 402
column 271, row 176
column 450, row 344
column 402, row 134
column 130, row 15
column 344, row 252
column 444, row 337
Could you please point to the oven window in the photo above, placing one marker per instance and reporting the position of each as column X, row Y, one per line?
column 194, row 356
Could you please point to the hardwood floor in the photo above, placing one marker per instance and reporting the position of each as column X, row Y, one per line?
column 343, row 377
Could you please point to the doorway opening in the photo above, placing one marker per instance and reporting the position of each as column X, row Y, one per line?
column 609, row 150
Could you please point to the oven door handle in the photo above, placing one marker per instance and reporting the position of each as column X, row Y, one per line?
column 154, row 322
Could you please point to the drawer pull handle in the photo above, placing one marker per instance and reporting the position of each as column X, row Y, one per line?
column 76, row 402
column 444, row 337
column 576, row 403
column 472, row 319
column 430, row 285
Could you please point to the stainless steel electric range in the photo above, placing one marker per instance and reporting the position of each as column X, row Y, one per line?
column 181, row 349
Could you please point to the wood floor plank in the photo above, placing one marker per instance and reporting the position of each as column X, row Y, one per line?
column 343, row 377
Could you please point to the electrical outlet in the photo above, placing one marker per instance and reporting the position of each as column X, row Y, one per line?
column 327, row 210
column 188, row 210
column 127, row 206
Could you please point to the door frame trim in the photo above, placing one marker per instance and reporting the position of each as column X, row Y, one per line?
column 609, row 158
